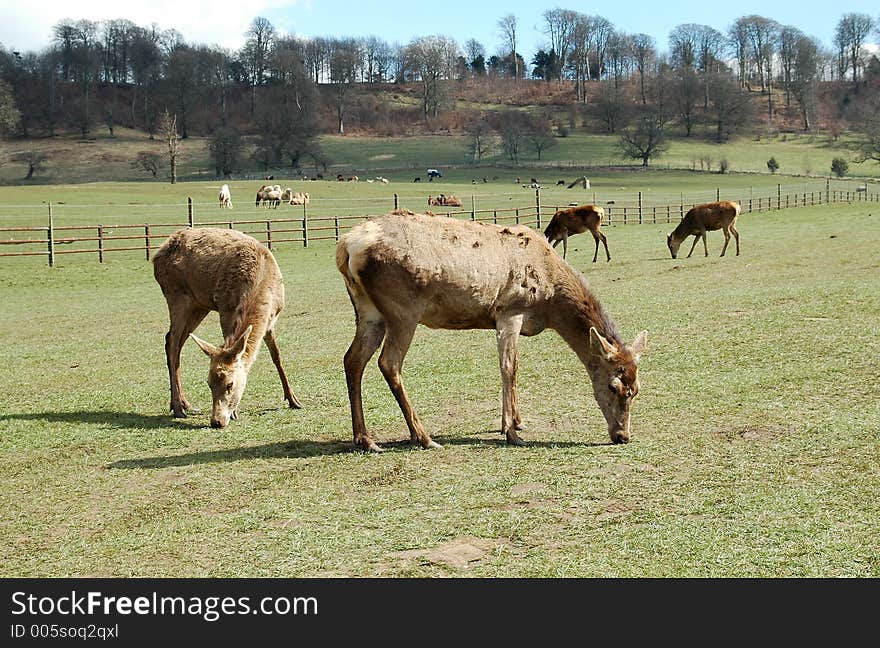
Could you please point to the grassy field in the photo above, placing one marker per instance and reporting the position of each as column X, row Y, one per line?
column 105, row 159
column 755, row 436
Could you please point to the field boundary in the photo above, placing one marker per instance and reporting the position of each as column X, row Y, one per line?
column 50, row 241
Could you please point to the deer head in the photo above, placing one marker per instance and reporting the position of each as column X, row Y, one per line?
column 227, row 377
column 673, row 245
column 614, row 373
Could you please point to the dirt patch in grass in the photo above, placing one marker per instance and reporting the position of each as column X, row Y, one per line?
column 464, row 552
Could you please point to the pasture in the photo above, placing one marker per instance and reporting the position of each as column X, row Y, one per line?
column 755, row 435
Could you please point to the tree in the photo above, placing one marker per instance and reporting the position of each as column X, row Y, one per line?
column 644, row 53
column 512, row 127
column 482, row 139
column 475, row 54
column 35, row 160
column 540, row 136
column 773, row 165
column 431, row 60
column 839, row 167
column 508, row 28
column 225, row 147
column 10, row 117
column 343, row 67
column 168, row 132
column 729, row 107
column 646, row 139
column 686, row 93
column 850, row 35
column 255, row 54
column 806, row 56
column 559, row 28
column 147, row 161
column 867, row 124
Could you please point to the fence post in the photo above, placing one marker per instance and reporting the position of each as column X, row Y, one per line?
column 779, row 196
column 517, row 215
column 640, row 208
column 51, row 238
column 189, row 210
column 495, row 216
column 269, row 234
column 395, row 201
column 147, row 239
column 100, row 244
column 681, row 206
column 827, row 191
column 305, row 226
column 538, row 206
column 717, row 194
column 336, row 226
column 473, row 208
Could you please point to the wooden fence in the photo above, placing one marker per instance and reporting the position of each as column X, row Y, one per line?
column 52, row 240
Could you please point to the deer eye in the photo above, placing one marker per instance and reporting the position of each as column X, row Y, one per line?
column 229, row 386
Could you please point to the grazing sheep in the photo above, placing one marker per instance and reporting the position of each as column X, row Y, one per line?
column 299, row 198
column 225, row 197
column 381, row 179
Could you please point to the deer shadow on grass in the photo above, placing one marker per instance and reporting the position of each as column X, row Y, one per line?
column 299, row 449
column 104, row 418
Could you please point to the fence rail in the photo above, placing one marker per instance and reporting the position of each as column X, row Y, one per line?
column 51, row 241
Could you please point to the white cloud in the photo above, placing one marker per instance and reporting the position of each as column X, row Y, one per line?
column 28, row 27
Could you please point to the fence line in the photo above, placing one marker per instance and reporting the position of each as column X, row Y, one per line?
column 52, row 240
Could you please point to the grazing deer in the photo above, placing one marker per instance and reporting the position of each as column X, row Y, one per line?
column 205, row 269
column 577, row 220
column 706, row 218
column 405, row 269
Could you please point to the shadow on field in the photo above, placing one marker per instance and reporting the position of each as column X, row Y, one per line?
column 105, row 419
column 301, row 449
column 280, row 450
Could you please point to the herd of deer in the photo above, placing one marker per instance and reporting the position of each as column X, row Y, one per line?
column 401, row 270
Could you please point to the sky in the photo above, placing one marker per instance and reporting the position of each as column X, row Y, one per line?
column 25, row 27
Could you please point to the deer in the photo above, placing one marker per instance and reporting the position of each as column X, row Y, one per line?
column 577, row 220
column 211, row 269
column 404, row 269
column 706, row 218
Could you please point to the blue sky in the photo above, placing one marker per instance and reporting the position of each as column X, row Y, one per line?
column 223, row 22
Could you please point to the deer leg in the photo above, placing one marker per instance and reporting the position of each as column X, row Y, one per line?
column 394, row 350
column 564, row 243
column 735, row 236
column 726, row 241
column 184, row 320
column 605, row 243
column 272, row 343
column 507, row 330
column 705, row 245
column 696, row 238
column 367, row 338
column 596, row 252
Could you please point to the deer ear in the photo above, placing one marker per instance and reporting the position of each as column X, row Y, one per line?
column 600, row 345
column 209, row 349
column 238, row 347
column 640, row 344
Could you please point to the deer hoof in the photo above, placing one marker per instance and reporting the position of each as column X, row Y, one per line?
column 433, row 445
column 181, row 413
column 373, row 447
column 514, row 439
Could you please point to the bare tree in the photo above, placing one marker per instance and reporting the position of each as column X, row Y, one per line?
column 508, row 28
column 852, row 31
column 559, row 28
column 431, row 60
column 35, row 160
column 806, row 57
column 255, row 53
column 646, row 138
column 10, row 117
column 644, row 54
column 482, row 139
column 147, row 161
column 343, row 63
column 168, row 132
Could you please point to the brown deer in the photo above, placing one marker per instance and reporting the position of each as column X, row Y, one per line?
column 577, row 220
column 205, row 269
column 406, row 269
column 706, row 218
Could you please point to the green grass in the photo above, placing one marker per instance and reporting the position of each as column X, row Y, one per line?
column 755, row 434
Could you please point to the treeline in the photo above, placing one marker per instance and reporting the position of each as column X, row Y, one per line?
column 281, row 91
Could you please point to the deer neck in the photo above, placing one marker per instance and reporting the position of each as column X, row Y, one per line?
column 259, row 324
column 577, row 311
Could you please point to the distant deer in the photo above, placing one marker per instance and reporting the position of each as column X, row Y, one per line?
column 205, row 269
column 577, row 220
column 706, row 218
column 405, row 269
